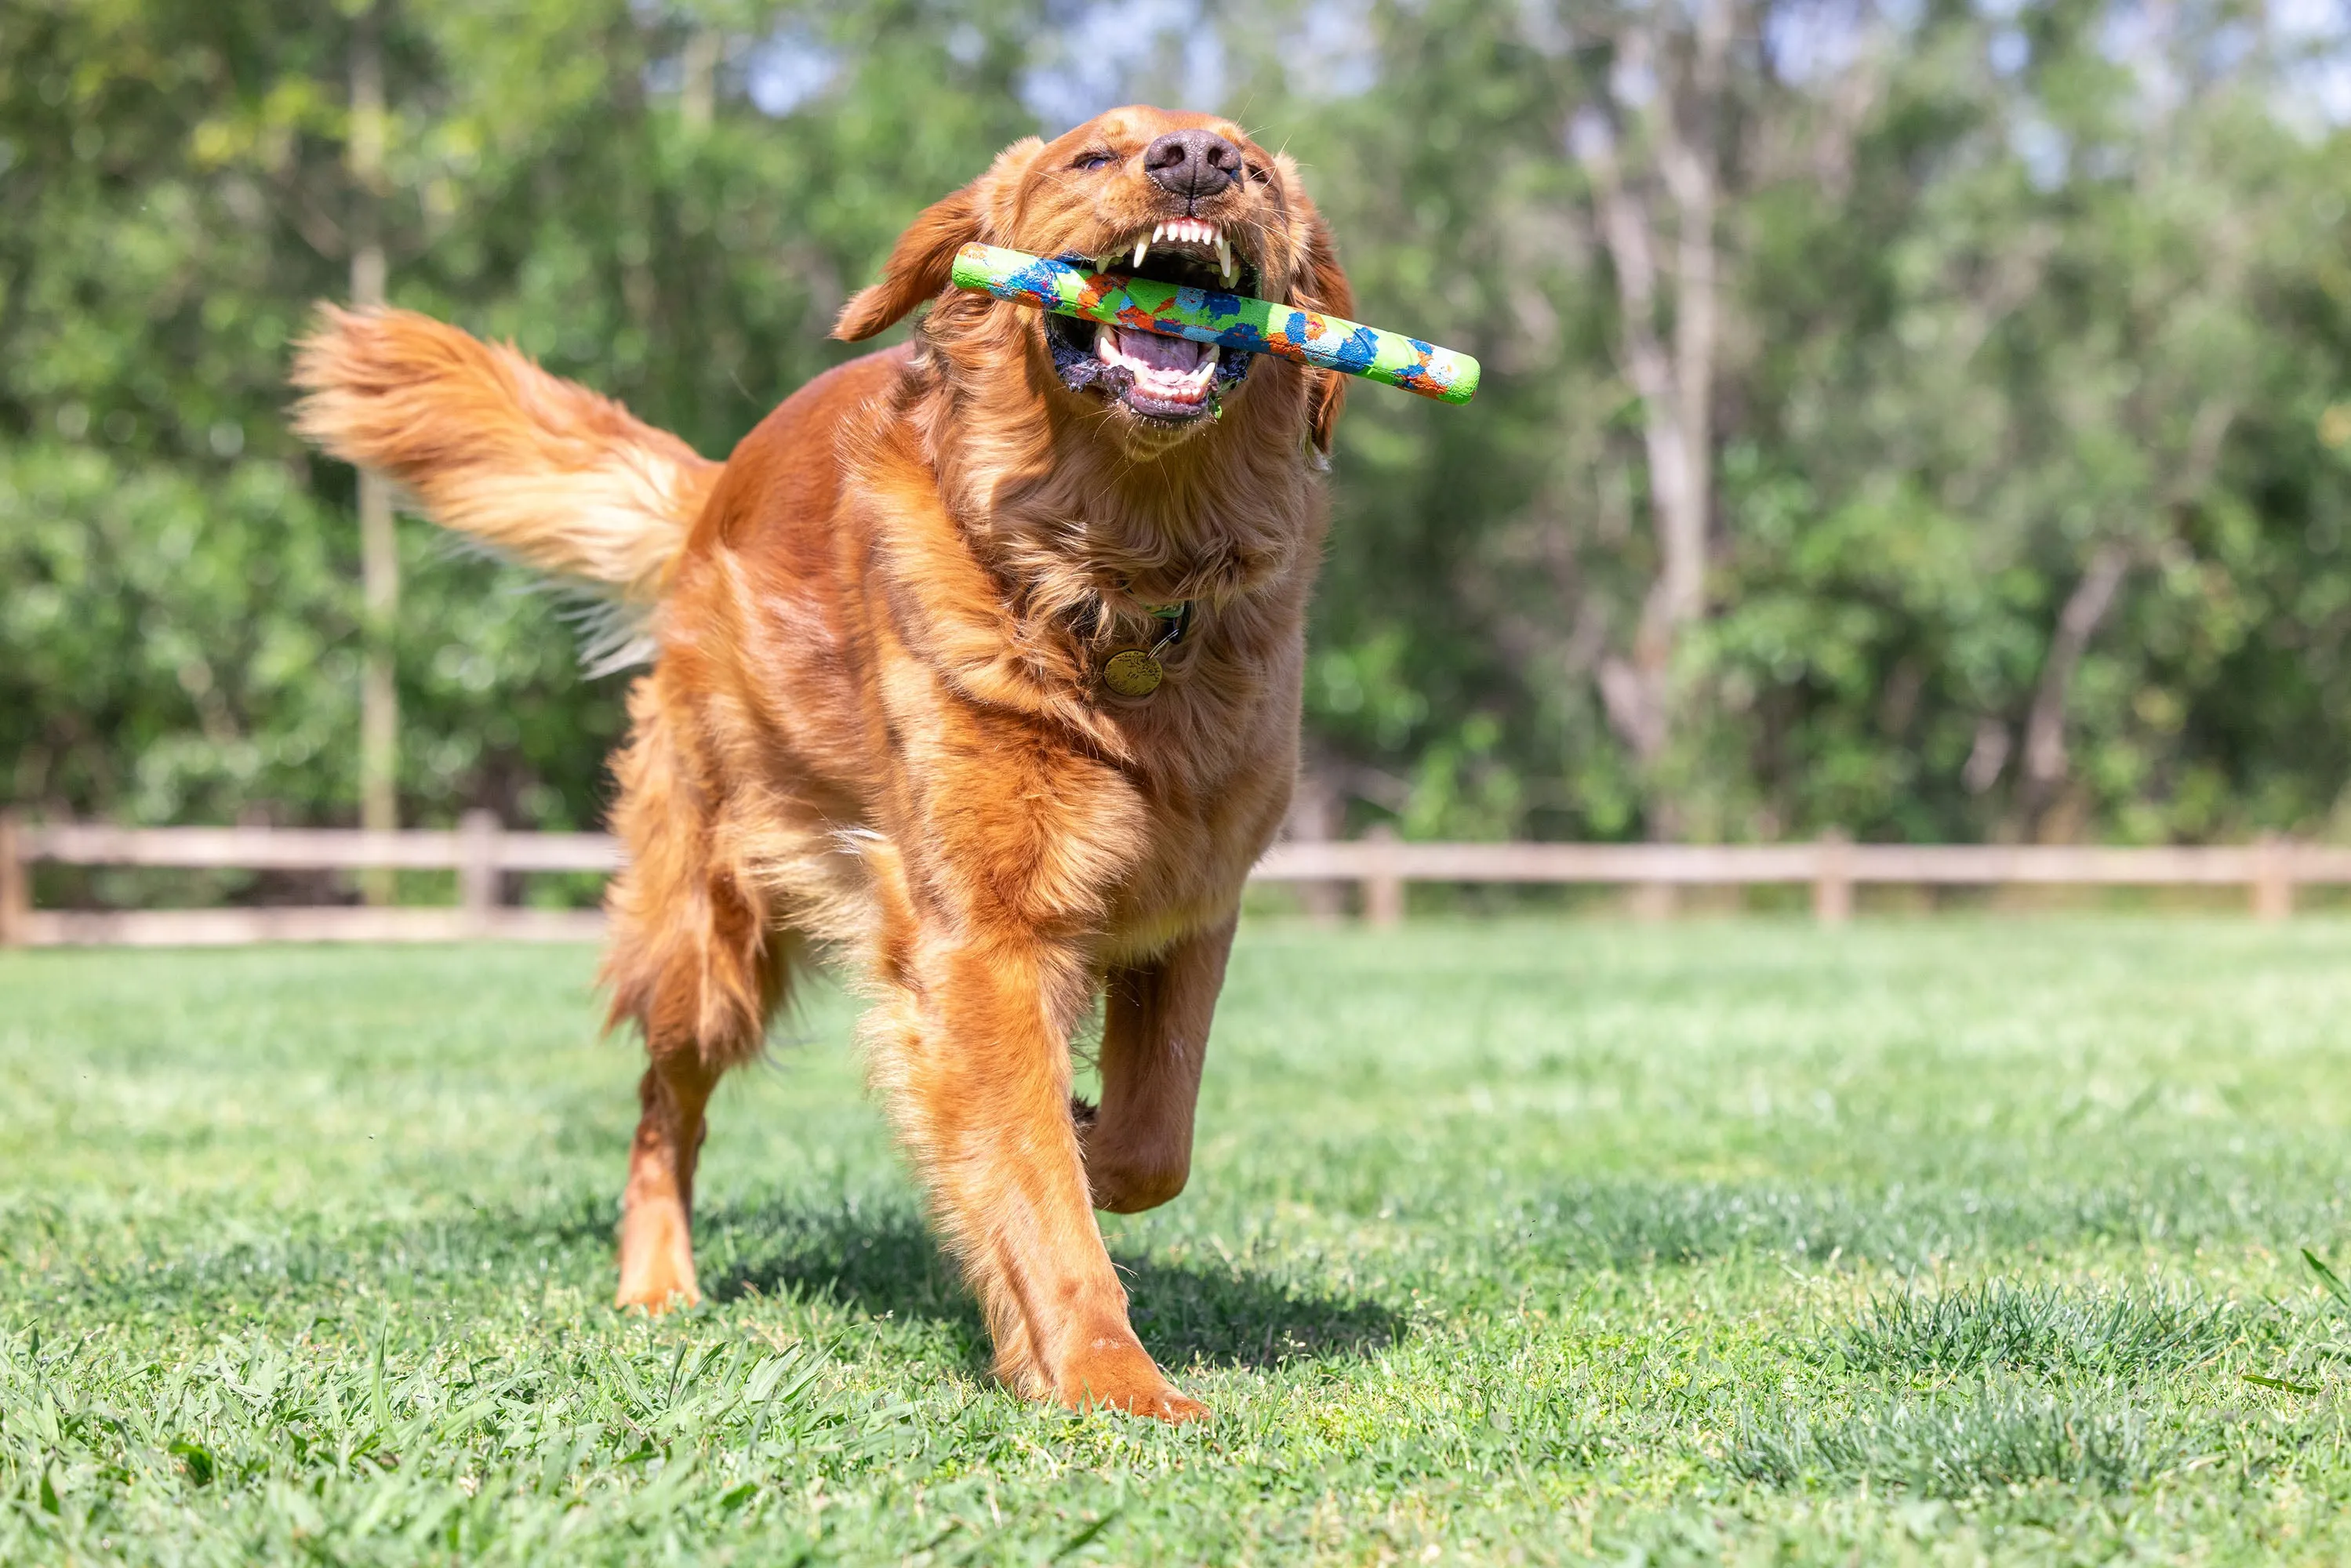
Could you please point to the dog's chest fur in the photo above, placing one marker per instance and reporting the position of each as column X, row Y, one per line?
column 910, row 647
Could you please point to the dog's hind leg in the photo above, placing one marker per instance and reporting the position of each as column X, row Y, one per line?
column 697, row 961
column 703, row 997
column 1155, row 1020
column 657, row 1207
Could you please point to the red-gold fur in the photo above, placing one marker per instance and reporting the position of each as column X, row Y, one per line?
column 876, row 724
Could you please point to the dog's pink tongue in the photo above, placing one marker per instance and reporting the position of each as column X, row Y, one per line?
column 1160, row 353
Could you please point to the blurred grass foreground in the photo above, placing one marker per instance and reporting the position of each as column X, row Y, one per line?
column 1523, row 1241
column 1931, row 421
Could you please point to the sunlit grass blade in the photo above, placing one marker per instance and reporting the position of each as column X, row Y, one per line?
column 2335, row 1287
column 2278, row 1383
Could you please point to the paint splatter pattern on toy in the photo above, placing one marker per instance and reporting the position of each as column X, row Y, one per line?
column 1231, row 320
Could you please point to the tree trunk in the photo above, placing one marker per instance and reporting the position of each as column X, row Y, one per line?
column 2045, row 761
column 379, row 556
column 1673, row 380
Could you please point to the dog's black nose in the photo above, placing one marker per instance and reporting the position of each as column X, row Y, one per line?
column 1193, row 163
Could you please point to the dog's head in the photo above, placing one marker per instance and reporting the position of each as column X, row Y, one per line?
column 1183, row 198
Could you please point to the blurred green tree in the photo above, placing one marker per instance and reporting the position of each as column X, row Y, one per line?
column 1925, row 420
column 2000, row 447
column 178, row 199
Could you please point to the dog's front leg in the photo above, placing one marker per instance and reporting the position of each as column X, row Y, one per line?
column 974, row 1052
column 1155, row 1020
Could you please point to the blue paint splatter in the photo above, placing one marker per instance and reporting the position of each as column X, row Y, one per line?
column 1356, row 352
column 1042, row 278
column 1244, row 335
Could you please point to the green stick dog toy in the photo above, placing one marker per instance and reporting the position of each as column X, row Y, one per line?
column 1231, row 320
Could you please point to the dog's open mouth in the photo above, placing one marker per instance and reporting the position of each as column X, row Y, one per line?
column 1171, row 379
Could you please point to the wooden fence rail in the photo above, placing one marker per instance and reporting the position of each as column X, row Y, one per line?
column 481, row 852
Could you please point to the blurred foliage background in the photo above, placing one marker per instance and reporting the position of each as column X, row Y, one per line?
column 1928, row 419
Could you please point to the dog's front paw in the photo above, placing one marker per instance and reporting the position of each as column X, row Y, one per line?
column 1119, row 1186
column 1125, row 1377
column 656, row 1259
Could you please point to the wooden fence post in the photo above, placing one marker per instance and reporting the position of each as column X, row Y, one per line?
column 477, row 869
column 15, row 884
column 1652, row 903
column 2272, row 884
column 1383, row 888
column 1833, row 878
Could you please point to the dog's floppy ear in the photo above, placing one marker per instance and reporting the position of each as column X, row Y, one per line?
column 1320, row 285
column 920, row 262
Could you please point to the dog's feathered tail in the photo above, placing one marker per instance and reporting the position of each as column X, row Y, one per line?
column 537, row 468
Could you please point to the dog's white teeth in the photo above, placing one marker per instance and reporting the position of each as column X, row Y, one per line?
column 1142, row 249
column 1158, row 233
column 1224, row 258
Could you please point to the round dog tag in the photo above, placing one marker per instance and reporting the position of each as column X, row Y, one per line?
column 1133, row 674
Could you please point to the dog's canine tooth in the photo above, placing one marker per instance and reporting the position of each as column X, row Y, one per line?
column 1142, row 249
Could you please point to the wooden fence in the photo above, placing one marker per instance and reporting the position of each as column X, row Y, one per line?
column 482, row 853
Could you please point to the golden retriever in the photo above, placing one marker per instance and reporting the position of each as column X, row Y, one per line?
column 879, row 722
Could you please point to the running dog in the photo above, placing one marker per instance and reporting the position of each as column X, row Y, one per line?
column 883, row 719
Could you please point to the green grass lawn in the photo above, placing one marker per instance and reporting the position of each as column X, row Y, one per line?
column 1722, row 1241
